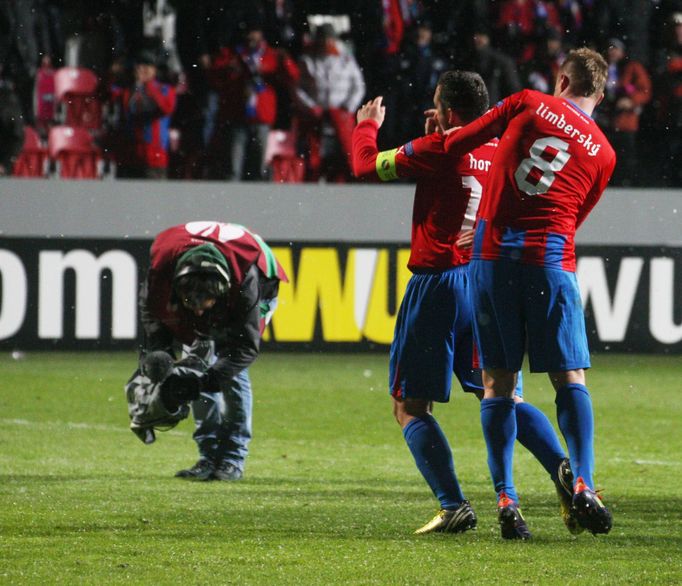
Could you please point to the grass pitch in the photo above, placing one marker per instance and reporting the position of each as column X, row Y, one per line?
column 331, row 494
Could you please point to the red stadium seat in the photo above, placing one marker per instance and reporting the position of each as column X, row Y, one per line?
column 75, row 90
column 282, row 157
column 32, row 160
column 74, row 153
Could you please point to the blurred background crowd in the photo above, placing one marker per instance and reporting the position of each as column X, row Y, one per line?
column 267, row 89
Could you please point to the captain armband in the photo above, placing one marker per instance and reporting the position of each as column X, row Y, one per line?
column 385, row 165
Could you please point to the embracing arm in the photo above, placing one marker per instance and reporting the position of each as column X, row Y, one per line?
column 491, row 124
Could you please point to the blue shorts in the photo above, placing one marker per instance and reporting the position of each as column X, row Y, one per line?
column 516, row 303
column 434, row 338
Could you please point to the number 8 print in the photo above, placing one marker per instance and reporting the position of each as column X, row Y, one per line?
column 548, row 168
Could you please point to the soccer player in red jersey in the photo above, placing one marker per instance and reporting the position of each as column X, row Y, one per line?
column 433, row 334
column 551, row 167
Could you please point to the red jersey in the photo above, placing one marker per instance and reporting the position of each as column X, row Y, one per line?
column 447, row 193
column 551, row 167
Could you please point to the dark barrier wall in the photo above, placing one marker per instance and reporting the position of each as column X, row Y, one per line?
column 82, row 294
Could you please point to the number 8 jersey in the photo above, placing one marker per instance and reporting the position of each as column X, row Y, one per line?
column 551, row 166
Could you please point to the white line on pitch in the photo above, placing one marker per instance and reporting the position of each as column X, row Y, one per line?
column 75, row 425
column 646, row 462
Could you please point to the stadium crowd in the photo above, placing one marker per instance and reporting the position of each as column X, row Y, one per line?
column 267, row 89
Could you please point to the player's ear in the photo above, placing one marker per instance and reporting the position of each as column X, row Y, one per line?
column 564, row 82
column 599, row 99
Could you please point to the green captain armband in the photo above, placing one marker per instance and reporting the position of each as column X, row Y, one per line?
column 385, row 165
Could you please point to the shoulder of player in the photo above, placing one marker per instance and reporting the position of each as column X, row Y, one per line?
column 427, row 145
column 434, row 141
column 521, row 97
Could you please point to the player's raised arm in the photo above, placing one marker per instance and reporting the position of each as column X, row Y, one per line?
column 417, row 158
column 370, row 117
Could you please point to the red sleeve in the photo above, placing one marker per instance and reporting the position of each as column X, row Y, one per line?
column 422, row 156
column 364, row 143
column 419, row 157
column 166, row 102
column 481, row 130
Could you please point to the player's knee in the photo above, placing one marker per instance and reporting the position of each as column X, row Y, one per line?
column 568, row 377
column 499, row 383
column 404, row 410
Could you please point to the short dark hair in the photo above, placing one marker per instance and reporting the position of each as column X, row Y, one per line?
column 464, row 92
column 587, row 71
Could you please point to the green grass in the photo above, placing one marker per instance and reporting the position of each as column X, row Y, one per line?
column 331, row 494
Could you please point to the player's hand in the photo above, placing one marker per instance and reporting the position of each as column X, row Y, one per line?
column 431, row 124
column 372, row 110
column 465, row 239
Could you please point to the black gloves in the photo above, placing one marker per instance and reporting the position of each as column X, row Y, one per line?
column 180, row 387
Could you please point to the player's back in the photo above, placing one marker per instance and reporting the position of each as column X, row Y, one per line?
column 447, row 196
column 551, row 166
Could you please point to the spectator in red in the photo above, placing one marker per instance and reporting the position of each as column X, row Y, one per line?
column 628, row 89
column 145, row 111
column 246, row 79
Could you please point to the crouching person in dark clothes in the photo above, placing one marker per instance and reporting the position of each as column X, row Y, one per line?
column 211, row 289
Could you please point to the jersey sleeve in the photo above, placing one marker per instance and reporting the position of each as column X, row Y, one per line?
column 364, row 148
column 419, row 157
column 491, row 124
